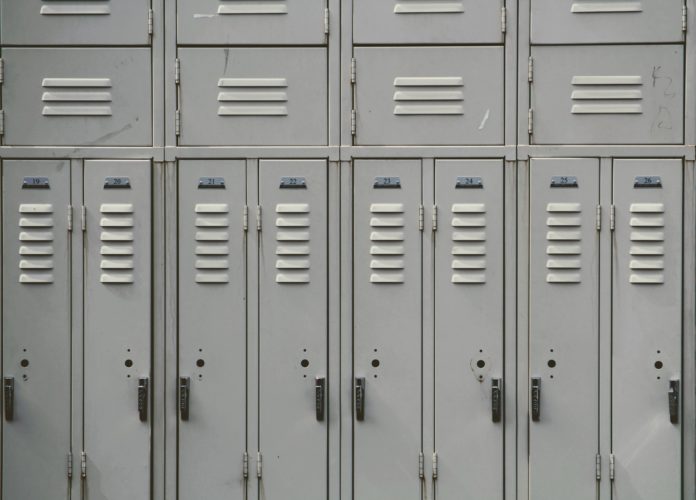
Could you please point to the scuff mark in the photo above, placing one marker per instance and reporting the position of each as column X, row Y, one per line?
column 110, row 135
column 485, row 119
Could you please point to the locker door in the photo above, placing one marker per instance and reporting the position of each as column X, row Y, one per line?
column 76, row 22
column 429, row 95
column 293, row 323
column 469, row 329
column 117, row 322
column 241, row 22
column 86, row 97
column 606, row 21
column 563, row 329
column 647, row 329
column 427, row 21
column 608, row 95
column 212, row 329
column 387, row 335
column 36, row 329
column 253, row 96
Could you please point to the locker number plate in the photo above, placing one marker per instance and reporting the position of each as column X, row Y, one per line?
column 648, row 181
column 35, row 183
column 117, row 183
column 564, row 181
column 469, row 183
column 387, row 183
column 211, row 183
column 293, row 183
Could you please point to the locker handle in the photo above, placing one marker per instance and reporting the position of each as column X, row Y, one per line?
column 8, row 387
column 360, row 399
column 143, row 396
column 496, row 399
column 536, row 399
column 674, row 401
column 319, row 396
column 184, row 396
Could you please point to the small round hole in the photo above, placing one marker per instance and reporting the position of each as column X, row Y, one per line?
column 480, row 350
column 658, row 365
column 659, row 352
column 24, row 363
column 24, row 350
column 552, row 363
column 375, row 363
column 129, row 363
column 304, row 363
column 551, row 376
column 375, row 350
column 375, row 376
column 305, row 376
column 304, row 350
column 480, row 363
column 200, row 363
column 128, row 350
column 128, row 376
column 200, row 350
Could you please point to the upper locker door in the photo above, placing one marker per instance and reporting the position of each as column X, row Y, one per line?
column 469, row 328
column 212, row 329
column 608, row 95
column 427, row 21
column 647, row 329
column 75, row 22
column 36, row 329
column 563, row 329
column 117, row 323
column 387, row 329
column 253, row 96
column 606, row 21
column 429, row 95
column 244, row 22
column 293, row 323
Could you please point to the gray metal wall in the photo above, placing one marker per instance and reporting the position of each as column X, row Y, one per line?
column 357, row 249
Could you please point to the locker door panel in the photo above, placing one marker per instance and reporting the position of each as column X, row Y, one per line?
column 212, row 328
column 429, row 95
column 468, row 327
column 647, row 327
column 253, row 96
column 117, row 323
column 293, row 328
column 76, row 22
column 606, row 21
column 608, row 95
column 240, row 22
column 86, row 97
column 564, row 328
column 427, row 21
column 36, row 328
column 387, row 328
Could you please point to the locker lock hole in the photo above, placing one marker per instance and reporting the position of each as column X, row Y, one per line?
column 129, row 363
column 481, row 363
column 375, row 363
column 24, row 363
column 552, row 363
column 304, row 363
column 200, row 363
column 659, row 365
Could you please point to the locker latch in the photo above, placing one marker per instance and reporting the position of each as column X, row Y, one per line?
column 360, row 399
column 8, row 389
column 536, row 399
column 496, row 399
column 184, row 393
column 319, row 394
column 143, row 395
column 674, row 401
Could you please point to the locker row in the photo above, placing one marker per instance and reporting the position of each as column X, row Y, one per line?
column 305, row 22
column 439, row 96
column 255, row 401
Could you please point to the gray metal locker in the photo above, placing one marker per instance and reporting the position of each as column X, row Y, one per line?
column 387, row 329
column 36, row 329
column 606, row 21
column 244, row 22
column 429, row 95
column 647, row 329
column 608, row 95
column 563, row 329
column 254, row 96
column 117, row 329
column 77, row 97
column 469, row 311
column 75, row 22
column 428, row 21
column 293, row 329
column 212, row 329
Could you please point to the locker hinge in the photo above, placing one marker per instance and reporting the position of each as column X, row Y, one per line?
column 612, row 217
column 434, row 217
column 530, row 69
column 530, row 122
column 150, row 22
column 258, row 218
column 70, row 217
column 612, row 467
column 2, row 70
column 421, row 217
column 353, row 70
column 69, row 464
column 435, row 466
column 246, row 218
column 503, row 19
column 245, row 466
column 83, row 465
column 684, row 18
column 421, row 466
column 327, row 19
column 259, row 465
column 177, row 71
column 598, row 467
column 83, row 217
column 177, row 123
column 353, row 122
column 599, row 218
column 2, row 122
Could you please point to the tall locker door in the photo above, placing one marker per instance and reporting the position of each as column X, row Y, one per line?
column 117, row 322
column 387, row 323
column 212, row 329
column 469, row 329
column 293, row 329
column 36, row 329
column 563, row 329
column 647, row 329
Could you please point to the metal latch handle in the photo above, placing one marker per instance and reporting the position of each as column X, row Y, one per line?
column 674, row 401
column 184, row 396
column 360, row 399
column 8, row 390
column 496, row 399
column 143, row 396
column 536, row 399
column 319, row 397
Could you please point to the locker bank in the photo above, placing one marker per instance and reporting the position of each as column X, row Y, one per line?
column 348, row 249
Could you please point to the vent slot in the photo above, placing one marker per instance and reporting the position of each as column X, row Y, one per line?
column 607, row 95
column 424, row 96
column 77, row 97
column 468, row 243
column 564, row 242
column 253, row 97
column 387, row 238
column 212, row 243
column 646, row 262
column 429, row 7
column 605, row 7
column 292, row 243
column 36, row 243
column 117, row 243
column 253, row 7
